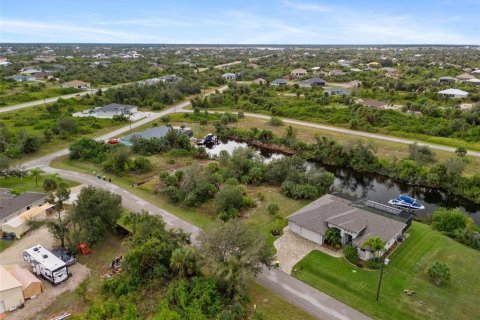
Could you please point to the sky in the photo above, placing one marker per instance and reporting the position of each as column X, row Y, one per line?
column 242, row 22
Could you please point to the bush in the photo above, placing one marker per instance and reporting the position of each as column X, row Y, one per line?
column 276, row 121
column 439, row 273
column 351, row 254
column 273, row 208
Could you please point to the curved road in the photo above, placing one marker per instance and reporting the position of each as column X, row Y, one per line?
column 307, row 298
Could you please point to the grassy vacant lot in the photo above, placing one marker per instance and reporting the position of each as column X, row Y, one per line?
column 12, row 93
column 458, row 299
column 27, row 183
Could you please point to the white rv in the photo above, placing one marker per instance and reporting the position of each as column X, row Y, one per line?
column 46, row 264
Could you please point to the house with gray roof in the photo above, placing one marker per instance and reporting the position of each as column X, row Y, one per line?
column 312, row 82
column 229, row 76
column 337, row 91
column 355, row 224
column 11, row 206
column 279, row 82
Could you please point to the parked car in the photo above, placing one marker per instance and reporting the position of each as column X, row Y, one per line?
column 8, row 236
column 66, row 255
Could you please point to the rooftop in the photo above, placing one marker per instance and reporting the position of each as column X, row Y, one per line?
column 8, row 280
column 115, row 107
column 9, row 206
column 454, row 92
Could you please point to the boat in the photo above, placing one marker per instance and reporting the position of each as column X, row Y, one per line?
column 406, row 202
column 210, row 139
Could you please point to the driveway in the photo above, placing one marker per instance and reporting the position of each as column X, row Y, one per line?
column 13, row 255
column 292, row 248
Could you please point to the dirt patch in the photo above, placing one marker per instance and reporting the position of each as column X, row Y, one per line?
column 13, row 255
column 292, row 248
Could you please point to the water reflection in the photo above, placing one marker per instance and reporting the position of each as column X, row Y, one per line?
column 371, row 186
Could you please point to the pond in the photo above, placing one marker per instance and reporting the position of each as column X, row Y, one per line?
column 372, row 186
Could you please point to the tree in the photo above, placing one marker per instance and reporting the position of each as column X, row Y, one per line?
column 439, row 273
column 420, row 154
column 35, row 173
column 183, row 261
column 374, row 244
column 233, row 253
column 350, row 253
column 461, row 151
column 332, row 235
column 50, row 184
column 94, row 213
column 273, row 208
column 448, row 220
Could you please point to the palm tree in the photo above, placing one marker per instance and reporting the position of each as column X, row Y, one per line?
column 35, row 173
column 183, row 261
column 332, row 235
column 375, row 244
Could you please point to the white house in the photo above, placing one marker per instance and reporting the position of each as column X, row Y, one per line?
column 298, row 72
column 355, row 225
column 453, row 93
column 229, row 76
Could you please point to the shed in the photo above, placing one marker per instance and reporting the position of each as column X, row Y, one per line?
column 11, row 293
column 31, row 285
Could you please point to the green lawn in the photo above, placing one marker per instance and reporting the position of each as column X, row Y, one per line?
column 4, row 244
column 458, row 299
column 28, row 184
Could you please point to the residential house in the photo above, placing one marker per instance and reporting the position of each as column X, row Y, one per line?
column 337, row 91
column 336, row 73
column 298, row 73
column 312, row 82
column 447, row 80
column 279, row 82
column 475, row 82
column 229, row 76
column 155, row 132
column 453, row 93
column 374, row 65
column 21, row 78
column 260, row 81
column 30, row 70
column 475, row 72
column 109, row 111
column 77, row 84
column 355, row 224
column 464, row 77
column 12, row 206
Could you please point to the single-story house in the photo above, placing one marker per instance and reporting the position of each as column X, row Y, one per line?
column 475, row 72
column 336, row 91
column 475, row 82
column 313, row 82
column 372, row 103
column 447, row 80
column 229, row 76
column 108, row 111
column 11, row 293
column 31, row 285
column 18, row 224
column 13, row 206
column 464, row 77
column 77, row 84
column 356, row 225
column 279, row 82
column 453, row 93
column 29, row 70
column 298, row 72
column 260, row 81
column 21, row 78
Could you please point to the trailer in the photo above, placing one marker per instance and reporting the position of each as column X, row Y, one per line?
column 46, row 264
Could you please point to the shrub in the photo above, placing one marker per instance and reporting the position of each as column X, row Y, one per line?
column 273, row 208
column 439, row 273
column 351, row 254
column 276, row 121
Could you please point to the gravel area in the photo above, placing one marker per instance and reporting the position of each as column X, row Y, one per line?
column 292, row 248
column 13, row 255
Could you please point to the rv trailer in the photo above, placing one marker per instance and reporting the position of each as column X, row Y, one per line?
column 46, row 264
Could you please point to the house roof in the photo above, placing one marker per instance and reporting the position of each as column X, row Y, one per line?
column 259, row 81
column 339, row 212
column 448, row 78
column 337, row 89
column 474, row 80
column 228, row 74
column 154, row 132
column 454, row 92
column 25, row 277
column 312, row 81
column 8, row 280
column 12, row 205
column 27, row 215
column 465, row 76
column 115, row 107
column 279, row 81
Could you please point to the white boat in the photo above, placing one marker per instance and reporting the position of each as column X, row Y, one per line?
column 406, row 202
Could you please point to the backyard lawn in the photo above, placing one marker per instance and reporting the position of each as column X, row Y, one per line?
column 27, row 183
column 458, row 299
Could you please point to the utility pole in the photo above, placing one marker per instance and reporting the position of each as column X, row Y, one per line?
column 384, row 262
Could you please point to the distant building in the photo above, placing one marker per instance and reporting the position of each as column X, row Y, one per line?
column 447, row 80
column 279, row 82
column 298, row 73
column 109, row 111
column 260, row 81
column 453, row 93
column 30, row 70
column 77, row 84
column 475, row 82
column 336, row 91
column 155, row 132
column 11, row 205
column 21, row 78
column 464, row 77
column 336, row 73
column 229, row 76
column 312, row 82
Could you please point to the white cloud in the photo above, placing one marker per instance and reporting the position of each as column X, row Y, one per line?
column 311, row 7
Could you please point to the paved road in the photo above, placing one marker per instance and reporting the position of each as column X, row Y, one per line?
column 296, row 292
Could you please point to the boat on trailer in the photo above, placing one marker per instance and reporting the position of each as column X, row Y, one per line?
column 406, row 202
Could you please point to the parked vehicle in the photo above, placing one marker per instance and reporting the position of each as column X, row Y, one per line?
column 46, row 264
column 8, row 236
column 66, row 255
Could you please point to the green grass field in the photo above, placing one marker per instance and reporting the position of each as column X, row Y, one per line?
column 27, row 183
column 458, row 299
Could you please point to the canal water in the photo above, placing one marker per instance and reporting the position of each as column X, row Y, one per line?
column 371, row 186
